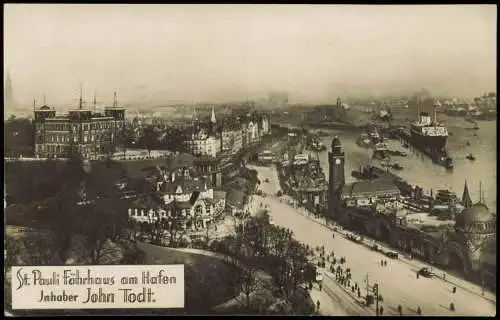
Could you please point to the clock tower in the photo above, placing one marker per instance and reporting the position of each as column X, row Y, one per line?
column 336, row 178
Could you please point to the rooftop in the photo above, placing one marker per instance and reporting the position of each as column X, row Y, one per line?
column 236, row 197
column 372, row 186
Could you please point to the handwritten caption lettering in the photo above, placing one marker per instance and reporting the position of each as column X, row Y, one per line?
column 98, row 287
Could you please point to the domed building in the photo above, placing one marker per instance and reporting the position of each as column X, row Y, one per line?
column 476, row 222
column 475, row 231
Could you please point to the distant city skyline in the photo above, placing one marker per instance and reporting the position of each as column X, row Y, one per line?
column 186, row 53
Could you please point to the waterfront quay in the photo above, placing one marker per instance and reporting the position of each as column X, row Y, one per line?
column 438, row 228
column 432, row 295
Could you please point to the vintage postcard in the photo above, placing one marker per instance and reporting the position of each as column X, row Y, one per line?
column 316, row 160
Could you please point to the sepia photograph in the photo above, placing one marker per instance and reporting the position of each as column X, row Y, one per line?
column 250, row 159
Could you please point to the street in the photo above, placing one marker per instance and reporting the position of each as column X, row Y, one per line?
column 397, row 281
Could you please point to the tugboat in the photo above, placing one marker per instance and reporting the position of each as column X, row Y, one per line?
column 471, row 157
column 396, row 166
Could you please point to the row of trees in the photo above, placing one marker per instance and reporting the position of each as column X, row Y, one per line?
column 150, row 138
column 259, row 246
column 84, row 217
column 19, row 137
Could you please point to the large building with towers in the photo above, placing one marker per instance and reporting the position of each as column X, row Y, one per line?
column 93, row 135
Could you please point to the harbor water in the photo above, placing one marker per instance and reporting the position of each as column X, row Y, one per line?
column 420, row 170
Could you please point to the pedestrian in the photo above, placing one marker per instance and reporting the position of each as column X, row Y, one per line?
column 417, row 275
column 320, row 287
column 382, row 263
column 444, row 276
column 359, row 293
column 400, row 310
column 452, row 306
column 317, row 305
column 381, row 310
column 419, row 311
column 454, row 289
column 385, row 263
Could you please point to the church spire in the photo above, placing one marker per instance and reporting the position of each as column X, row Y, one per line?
column 213, row 120
column 466, row 200
column 8, row 95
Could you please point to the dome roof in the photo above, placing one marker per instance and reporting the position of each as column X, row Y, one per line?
column 477, row 213
column 44, row 108
column 336, row 142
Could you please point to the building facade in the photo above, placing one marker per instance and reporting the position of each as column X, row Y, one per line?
column 468, row 245
column 93, row 135
column 203, row 144
column 179, row 196
column 205, row 140
column 232, row 137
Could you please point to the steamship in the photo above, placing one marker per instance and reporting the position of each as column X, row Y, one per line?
column 429, row 137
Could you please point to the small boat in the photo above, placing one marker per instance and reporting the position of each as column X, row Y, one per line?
column 396, row 166
column 471, row 157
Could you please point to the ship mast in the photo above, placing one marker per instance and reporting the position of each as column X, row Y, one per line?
column 480, row 192
column 434, row 112
column 81, row 92
column 418, row 107
column 34, row 105
column 95, row 101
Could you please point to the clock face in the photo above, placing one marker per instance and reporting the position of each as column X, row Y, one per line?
column 338, row 161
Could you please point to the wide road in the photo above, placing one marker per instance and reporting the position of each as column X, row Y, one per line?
column 397, row 282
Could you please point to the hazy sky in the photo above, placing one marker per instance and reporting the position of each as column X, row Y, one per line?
column 224, row 52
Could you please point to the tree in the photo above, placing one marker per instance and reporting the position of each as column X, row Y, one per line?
column 13, row 250
column 249, row 281
column 175, row 225
column 98, row 228
column 38, row 249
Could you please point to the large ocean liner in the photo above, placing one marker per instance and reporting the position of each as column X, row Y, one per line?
column 430, row 137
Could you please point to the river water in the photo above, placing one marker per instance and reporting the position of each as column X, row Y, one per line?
column 420, row 170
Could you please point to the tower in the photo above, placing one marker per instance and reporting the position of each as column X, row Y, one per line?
column 8, row 95
column 336, row 178
column 339, row 103
column 212, row 119
column 466, row 200
column 213, row 122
